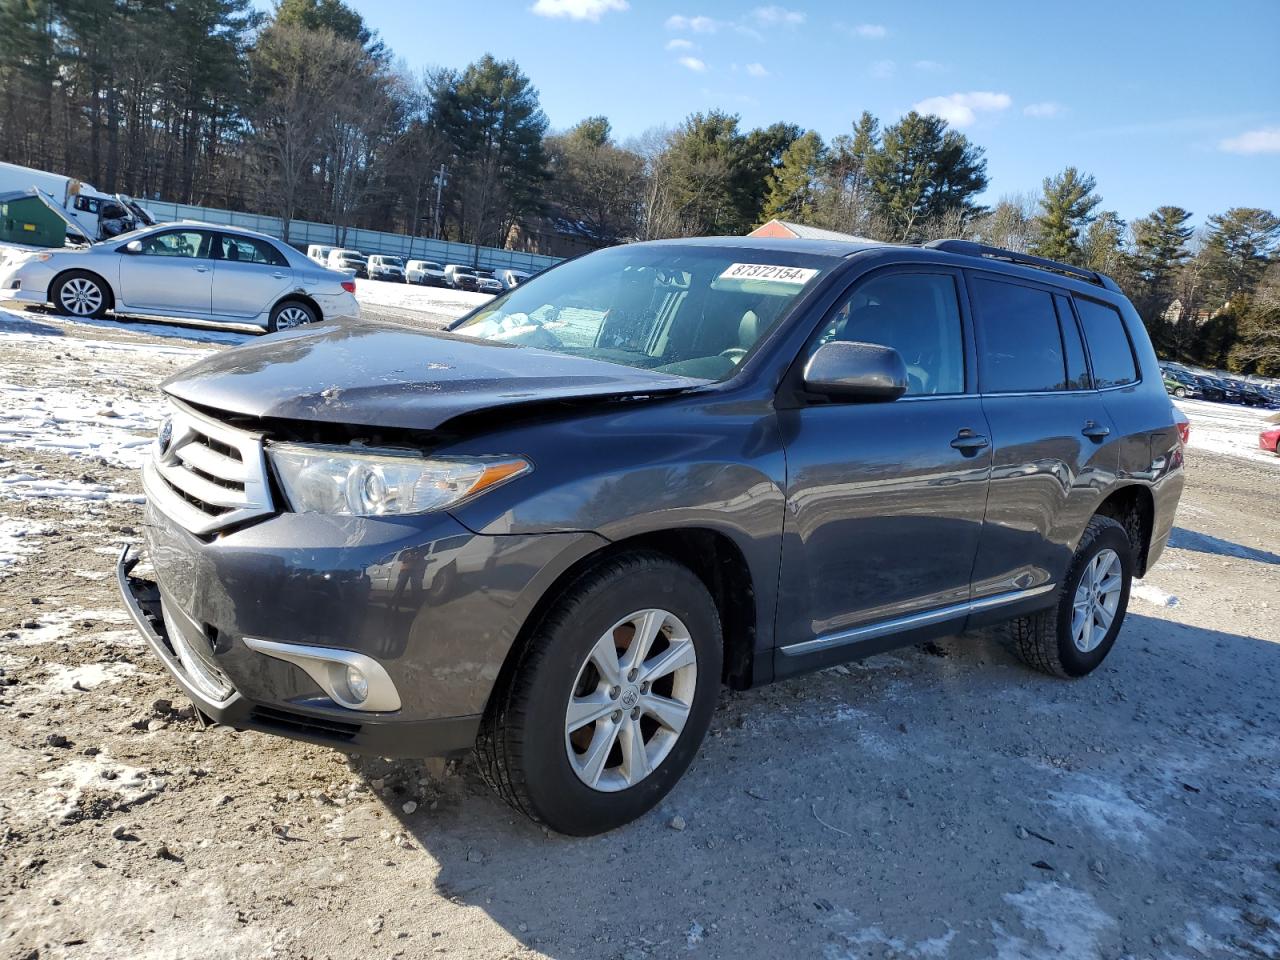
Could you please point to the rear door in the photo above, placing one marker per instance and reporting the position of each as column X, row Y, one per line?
column 251, row 275
column 884, row 500
column 172, row 275
column 1054, row 454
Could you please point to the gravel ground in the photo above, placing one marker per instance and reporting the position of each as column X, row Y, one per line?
column 940, row 802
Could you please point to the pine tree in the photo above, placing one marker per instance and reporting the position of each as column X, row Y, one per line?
column 1066, row 207
column 922, row 171
column 1240, row 244
column 793, row 186
column 1160, row 241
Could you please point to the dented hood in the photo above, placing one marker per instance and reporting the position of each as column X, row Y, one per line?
column 383, row 375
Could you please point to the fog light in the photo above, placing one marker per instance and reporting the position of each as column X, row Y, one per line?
column 357, row 685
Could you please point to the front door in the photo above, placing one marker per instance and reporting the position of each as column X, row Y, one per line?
column 1054, row 442
column 173, row 274
column 251, row 276
column 885, row 500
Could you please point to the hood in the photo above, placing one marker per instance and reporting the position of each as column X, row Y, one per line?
column 382, row 375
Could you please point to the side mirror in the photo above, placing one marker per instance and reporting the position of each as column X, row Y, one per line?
column 133, row 246
column 856, row 371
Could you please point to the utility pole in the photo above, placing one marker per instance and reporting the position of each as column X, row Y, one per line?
column 442, row 177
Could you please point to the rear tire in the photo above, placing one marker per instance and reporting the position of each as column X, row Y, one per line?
column 1074, row 636
column 81, row 294
column 290, row 314
column 1180, row 392
column 535, row 746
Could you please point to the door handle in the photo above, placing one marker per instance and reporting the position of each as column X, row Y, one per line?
column 200, row 269
column 1095, row 431
column 280, row 276
column 969, row 443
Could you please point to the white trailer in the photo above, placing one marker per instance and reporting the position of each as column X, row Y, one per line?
column 96, row 214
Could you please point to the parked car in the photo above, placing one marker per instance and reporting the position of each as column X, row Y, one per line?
column 1210, row 389
column 461, row 277
column 384, row 267
column 319, row 253
column 510, row 279
column 351, row 262
column 1250, row 394
column 486, row 282
column 426, row 272
column 185, row 271
column 655, row 468
column 1182, row 384
column 1269, row 438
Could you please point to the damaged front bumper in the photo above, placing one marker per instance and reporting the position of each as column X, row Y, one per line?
column 189, row 657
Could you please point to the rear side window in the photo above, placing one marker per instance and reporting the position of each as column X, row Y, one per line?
column 1020, row 344
column 916, row 314
column 250, row 250
column 1109, row 346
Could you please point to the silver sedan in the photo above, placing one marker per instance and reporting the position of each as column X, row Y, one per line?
column 185, row 270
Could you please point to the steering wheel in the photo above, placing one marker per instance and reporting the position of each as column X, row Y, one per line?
column 734, row 353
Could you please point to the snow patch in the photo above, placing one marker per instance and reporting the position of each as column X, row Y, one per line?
column 1068, row 921
column 1227, row 429
column 19, row 540
column 68, row 783
column 64, row 679
column 25, row 486
column 1106, row 809
column 1150, row 593
column 54, row 626
column 63, row 421
column 846, row 925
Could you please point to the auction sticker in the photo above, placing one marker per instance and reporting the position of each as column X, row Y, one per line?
column 770, row 273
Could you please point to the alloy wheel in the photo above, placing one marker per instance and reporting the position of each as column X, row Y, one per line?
column 630, row 700
column 80, row 297
column 1096, row 601
column 292, row 317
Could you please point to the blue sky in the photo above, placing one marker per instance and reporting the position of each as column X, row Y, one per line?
column 1171, row 102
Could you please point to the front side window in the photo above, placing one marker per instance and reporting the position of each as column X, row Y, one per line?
column 1019, row 343
column 178, row 243
column 1109, row 346
column 689, row 310
column 918, row 314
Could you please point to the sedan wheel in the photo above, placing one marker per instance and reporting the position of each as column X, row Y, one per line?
column 289, row 315
column 631, row 700
column 81, row 295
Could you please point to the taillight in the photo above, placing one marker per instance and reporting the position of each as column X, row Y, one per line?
column 349, row 286
column 1184, row 432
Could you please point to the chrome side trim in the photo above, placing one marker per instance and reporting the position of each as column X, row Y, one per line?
column 911, row 621
column 327, row 667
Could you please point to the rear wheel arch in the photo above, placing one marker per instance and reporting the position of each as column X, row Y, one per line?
column 1133, row 507
column 293, row 297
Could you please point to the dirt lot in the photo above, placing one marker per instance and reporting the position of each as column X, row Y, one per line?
column 939, row 802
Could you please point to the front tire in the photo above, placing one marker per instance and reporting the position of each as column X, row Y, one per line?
column 1180, row 392
column 1072, row 638
column 81, row 294
column 610, row 700
column 290, row 314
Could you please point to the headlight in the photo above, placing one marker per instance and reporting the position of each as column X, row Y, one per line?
column 352, row 482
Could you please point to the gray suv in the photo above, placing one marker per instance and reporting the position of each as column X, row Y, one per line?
column 553, row 532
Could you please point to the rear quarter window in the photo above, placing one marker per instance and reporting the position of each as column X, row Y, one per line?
column 1109, row 348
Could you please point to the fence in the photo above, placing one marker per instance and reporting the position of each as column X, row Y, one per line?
column 304, row 232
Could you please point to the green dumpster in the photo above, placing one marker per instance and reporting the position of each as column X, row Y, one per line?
column 26, row 218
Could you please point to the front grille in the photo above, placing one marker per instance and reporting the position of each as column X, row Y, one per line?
column 289, row 722
column 210, row 475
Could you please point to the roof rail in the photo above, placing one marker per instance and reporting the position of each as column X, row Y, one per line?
column 970, row 248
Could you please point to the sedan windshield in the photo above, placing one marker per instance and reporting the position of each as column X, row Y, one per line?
column 688, row 310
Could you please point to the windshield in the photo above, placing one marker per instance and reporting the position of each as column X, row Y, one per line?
column 391, row 261
column 467, row 270
column 692, row 311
